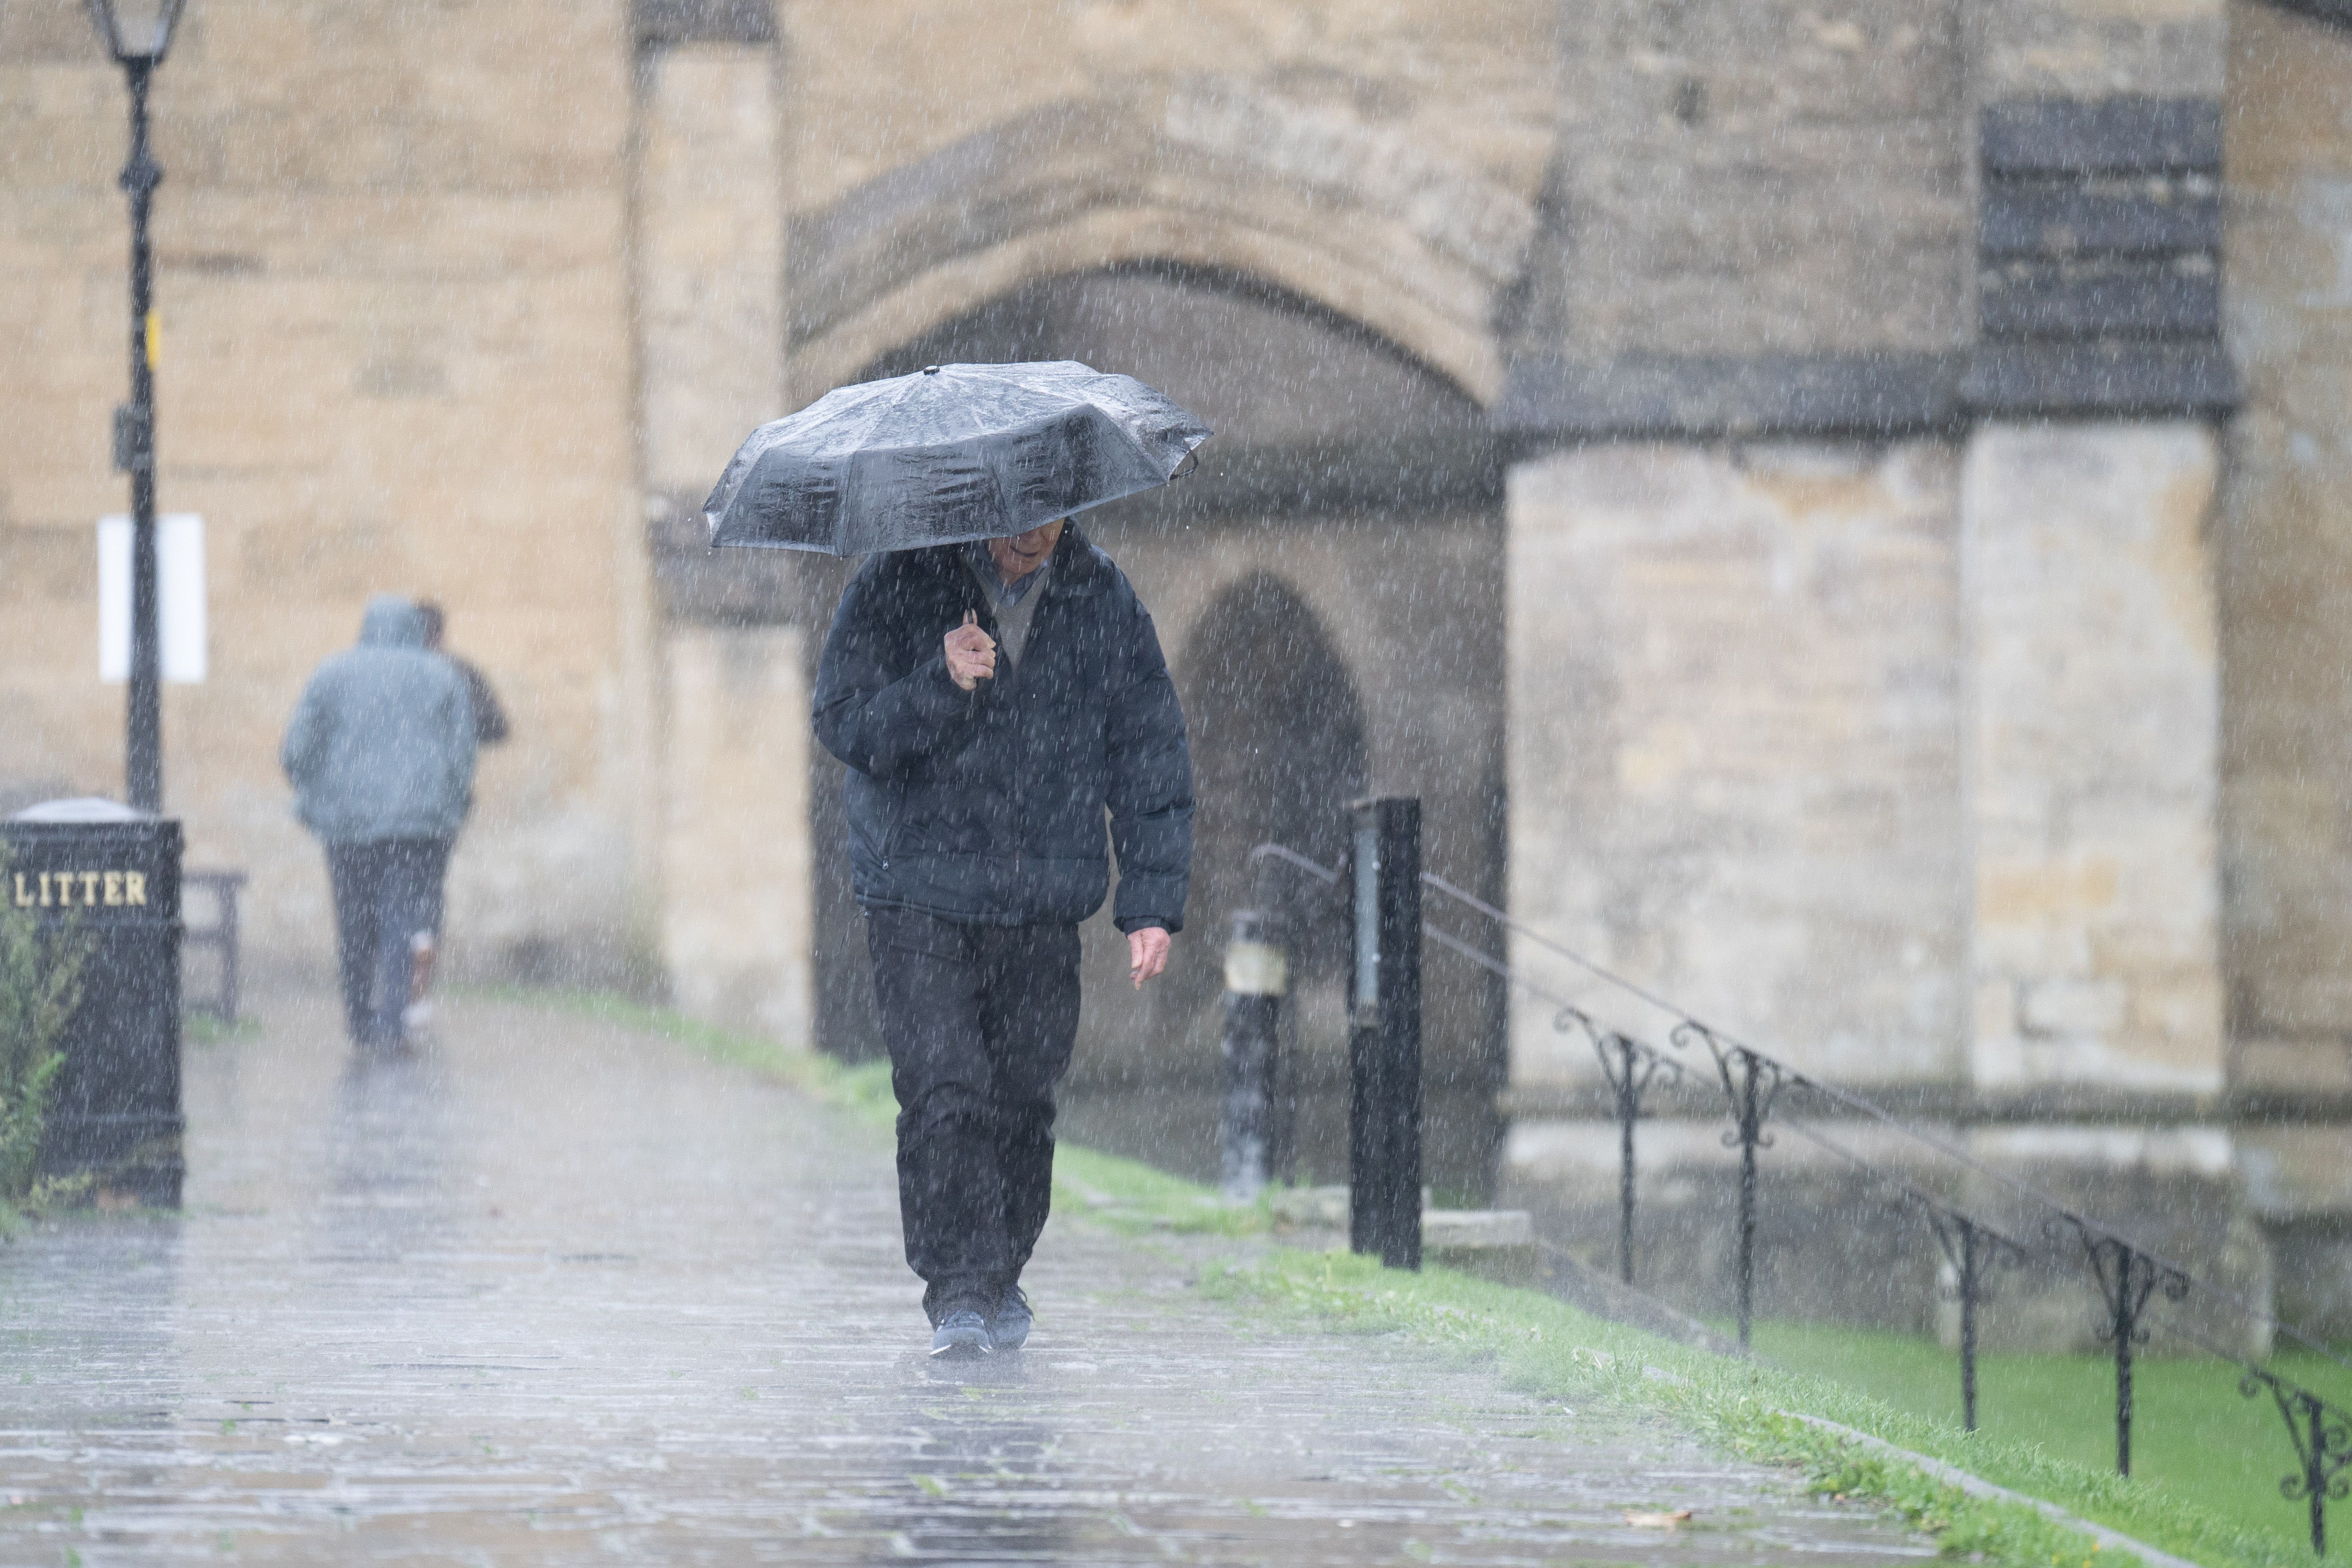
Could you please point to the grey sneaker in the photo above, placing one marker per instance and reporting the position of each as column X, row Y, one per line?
column 1009, row 1326
column 962, row 1335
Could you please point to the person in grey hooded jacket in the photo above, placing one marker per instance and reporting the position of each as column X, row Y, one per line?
column 381, row 754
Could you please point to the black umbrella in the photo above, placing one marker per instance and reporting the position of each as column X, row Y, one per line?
column 953, row 452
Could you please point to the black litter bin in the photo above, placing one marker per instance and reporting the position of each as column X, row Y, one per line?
column 114, row 1107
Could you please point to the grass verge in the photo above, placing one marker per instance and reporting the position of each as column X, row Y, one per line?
column 1545, row 1347
column 203, row 1029
column 2193, row 1435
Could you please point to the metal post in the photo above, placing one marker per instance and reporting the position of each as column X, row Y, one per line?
column 1749, row 1122
column 1966, row 1262
column 1282, row 1126
column 134, row 452
column 2123, row 1321
column 1751, row 1083
column 1968, row 1327
column 1629, row 1105
column 229, row 887
column 2314, row 1474
column 1384, row 1032
column 2323, row 1447
column 1973, row 1250
column 1629, row 1066
column 1257, row 971
column 2126, row 1278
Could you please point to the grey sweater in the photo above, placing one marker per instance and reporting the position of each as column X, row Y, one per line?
column 1012, row 614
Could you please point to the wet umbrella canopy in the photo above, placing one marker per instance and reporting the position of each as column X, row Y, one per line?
column 953, row 452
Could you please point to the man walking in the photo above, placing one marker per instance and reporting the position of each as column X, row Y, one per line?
column 381, row 754
column 993, row 700
column 489, row 729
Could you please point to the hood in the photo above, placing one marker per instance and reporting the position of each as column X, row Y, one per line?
column 392, row 621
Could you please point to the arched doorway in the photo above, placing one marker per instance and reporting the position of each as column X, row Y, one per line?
column 1278, row 741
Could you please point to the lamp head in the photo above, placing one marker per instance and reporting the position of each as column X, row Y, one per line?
column 136, row 31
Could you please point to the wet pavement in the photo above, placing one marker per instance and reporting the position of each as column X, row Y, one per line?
column 557, row 1292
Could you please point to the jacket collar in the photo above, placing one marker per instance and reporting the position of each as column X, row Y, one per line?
column 1079, row 569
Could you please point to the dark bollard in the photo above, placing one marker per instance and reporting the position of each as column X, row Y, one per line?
column 1384, row 1032
column 114, row 874
column 1257, row 974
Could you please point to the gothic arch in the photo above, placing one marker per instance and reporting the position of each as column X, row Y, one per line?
column 1279, row 740
column 1357, row 218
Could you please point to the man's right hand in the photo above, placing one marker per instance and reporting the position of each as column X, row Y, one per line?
column 972, row 653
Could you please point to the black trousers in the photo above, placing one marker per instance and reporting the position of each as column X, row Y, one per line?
column 980, row 1021
column 386, row 890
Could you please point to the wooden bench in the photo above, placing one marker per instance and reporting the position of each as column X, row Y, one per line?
column 220, row 935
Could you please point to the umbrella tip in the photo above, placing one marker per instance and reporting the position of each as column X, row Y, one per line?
column 930, row 369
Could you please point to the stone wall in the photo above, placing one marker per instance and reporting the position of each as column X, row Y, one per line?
column 1762, row 178
column 1382, row 160
column 2089, row 49
column 1736, row 745
column 2091, row 761
column 2284, row 554
column 1898, row 760
column 735, row 849
column 395, row 357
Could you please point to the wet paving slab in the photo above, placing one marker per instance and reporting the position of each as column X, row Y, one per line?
column 554, row 1291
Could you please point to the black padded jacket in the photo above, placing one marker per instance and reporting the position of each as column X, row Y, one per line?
column 987, row 807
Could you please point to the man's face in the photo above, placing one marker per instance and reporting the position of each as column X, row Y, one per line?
column 1022, row 554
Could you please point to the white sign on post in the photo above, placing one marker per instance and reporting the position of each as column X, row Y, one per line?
column 179, row 594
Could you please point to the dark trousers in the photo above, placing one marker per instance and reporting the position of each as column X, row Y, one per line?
column 437, row 881
column 980, row 1021
column 385, row 893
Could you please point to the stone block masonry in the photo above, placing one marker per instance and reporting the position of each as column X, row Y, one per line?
column 2093, row 766
column 1902, row 759
column 735, row 850
column 1735, row 743
column 395, row 357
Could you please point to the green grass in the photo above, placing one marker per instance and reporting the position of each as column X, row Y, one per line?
column 1882, row 1384
column 203, row 1029
column 1546, row 1347
column 2192, row 1434
column 1137, row 1199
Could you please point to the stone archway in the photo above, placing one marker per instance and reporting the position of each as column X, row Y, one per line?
column 1420, row 237
column 1279, row 739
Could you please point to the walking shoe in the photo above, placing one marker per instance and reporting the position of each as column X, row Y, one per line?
column 962, row 1335
column 421, row 954
column 1009, row 1326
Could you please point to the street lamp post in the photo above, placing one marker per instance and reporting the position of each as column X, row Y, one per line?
column 138, row 33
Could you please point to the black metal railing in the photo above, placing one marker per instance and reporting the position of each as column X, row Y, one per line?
column 1760, row 1092
column 2323, row 1446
